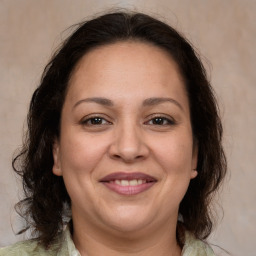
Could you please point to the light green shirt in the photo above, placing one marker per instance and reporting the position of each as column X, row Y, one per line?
column 64, row 246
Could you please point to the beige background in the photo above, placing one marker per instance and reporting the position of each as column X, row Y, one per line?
column 225, row 33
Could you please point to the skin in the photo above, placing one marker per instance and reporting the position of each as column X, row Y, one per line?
column 127, row 139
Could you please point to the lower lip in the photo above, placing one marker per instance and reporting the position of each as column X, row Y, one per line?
column 129, row 190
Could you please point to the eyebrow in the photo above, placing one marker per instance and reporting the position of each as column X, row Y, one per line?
column 156, row 101
column 147, row 102
column 98, row 100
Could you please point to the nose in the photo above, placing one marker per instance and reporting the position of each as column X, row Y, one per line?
column 128, row 144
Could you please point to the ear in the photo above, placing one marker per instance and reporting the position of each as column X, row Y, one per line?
column 56, row 169
column 194, row 172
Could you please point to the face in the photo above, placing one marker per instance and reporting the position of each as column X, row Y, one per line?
column 126, row 149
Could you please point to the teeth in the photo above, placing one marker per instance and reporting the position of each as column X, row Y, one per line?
column 129, row 182
column 124, row 182
column 118, row 182
column 133, row 182
column 141, row 181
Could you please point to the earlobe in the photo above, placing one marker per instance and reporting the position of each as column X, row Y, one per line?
column 56, row 169
column 194, row 171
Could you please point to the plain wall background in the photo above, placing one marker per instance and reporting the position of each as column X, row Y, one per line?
column 225, row 34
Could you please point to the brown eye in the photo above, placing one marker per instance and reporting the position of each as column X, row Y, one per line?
column 160, row 121
column 95, row 121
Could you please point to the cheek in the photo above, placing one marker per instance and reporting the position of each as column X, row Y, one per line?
column 175, row 154
column 175, row 157
column 81, row 153
column 80, row 157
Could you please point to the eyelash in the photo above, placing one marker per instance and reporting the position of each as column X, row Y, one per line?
column 158, row 119
column 161, row 121
column 95, row 118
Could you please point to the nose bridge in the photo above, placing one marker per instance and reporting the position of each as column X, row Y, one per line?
column 129, row 143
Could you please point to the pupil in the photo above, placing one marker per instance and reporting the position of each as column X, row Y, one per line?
column 96, row 120
column 158, row 121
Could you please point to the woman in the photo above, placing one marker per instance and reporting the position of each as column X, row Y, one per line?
column 123, row 152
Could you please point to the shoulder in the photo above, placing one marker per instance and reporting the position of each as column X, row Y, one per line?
column 27, row 248
column 21, row 248
column 63, row 245
column 196, row 247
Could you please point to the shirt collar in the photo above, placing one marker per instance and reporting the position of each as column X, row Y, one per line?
column 191, row 247
column 67, row 244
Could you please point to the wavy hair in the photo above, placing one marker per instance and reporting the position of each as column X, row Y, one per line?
column 46, row 200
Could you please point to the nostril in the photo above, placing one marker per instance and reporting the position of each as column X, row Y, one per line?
column 116, row 156
column 127, row 159
column 127, row 150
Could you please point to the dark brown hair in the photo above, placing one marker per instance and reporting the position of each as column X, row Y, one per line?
column 46, row 198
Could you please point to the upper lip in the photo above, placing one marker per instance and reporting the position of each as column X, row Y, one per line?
column 127, row 176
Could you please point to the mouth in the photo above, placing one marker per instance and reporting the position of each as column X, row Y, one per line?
column 128, row 183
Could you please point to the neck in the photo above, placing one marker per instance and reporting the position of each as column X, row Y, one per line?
column 91, row 242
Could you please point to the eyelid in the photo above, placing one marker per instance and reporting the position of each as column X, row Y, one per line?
column 96, row 115
column 170, row 119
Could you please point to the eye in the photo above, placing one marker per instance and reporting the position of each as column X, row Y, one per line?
column 161, row 121
column 94, row 121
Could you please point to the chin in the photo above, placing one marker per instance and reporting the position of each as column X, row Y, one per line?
column 129, row 219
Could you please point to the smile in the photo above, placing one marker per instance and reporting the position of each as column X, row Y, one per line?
column 128, row 183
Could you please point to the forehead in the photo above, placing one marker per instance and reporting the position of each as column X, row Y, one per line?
column 129, row 52
column 137, row 66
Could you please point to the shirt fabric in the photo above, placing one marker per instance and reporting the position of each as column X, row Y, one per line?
column 64, row 246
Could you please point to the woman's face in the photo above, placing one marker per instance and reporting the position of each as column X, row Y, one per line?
column 126, row 149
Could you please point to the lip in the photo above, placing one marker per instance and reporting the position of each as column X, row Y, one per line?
column 108, row 181
column 127, row 176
